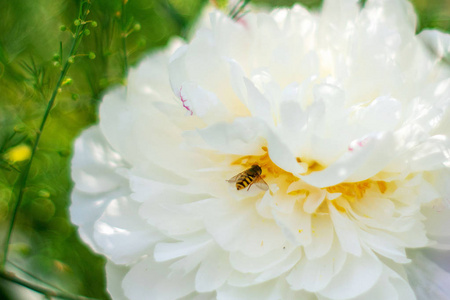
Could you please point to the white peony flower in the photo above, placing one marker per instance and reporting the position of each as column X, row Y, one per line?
column 347, row 114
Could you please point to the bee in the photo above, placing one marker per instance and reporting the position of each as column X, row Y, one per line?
column 248, row 178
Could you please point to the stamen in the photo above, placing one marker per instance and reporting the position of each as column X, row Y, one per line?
column 269, row 169
column 382, row 186
column 272, row 174
column 299, row 192
column 338, row 207
column 355, row 190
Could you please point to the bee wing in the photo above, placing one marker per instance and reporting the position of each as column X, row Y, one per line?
column 234, row 178
column 260, row 183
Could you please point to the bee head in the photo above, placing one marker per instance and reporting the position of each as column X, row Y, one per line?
column 257, row 169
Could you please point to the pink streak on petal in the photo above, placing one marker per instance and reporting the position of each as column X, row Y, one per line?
column 184, row 103
column 242, row 22
column 359, row 144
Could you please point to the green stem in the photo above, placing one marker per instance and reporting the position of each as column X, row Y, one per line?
column 34, row 277
column 235, row 14
column 233, row 9
column 22, row 181
column 124, row 40
column 9, row 276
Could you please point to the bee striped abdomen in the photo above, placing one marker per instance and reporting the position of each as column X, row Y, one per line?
column 244, row 181
column 249, row 177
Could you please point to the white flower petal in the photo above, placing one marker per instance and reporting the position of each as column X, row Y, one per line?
column 153, row 72
column 172, row 216
column 241, row 137
column 257, row 103
column 293, row 123
column 431, row 154
column 200, row 58
column 238, row 227
column 428, row 280
column 346, row 231
column 86, row 209
column 98, row 182
column 314, row 275
column 437, row 224
column 385, row 244
column 94, row 164
column 238, row 279
column 239, row 84
column 399, row 14
column 251, row 264
column 281, row 155
column 381, row 114
column 390, row 286
column 232, row 38
column 177, row 69
column 272, row 290
column 438, row 42
column 118, row 228
column 265, row 205
column 197, row 296
column 114, row 276
column 155, row 281
column 365, row 271
column 322, row 236
column 304, row 295
column 314, row 200
column 213, row 271
column 338, row 13
column 356, row 165
column 125, row 125
column 296, row 225
column 169, row 251
column 202, row 102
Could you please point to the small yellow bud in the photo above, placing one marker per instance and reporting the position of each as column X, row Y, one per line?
column 18, row 153
column 67, row 81
column 44, row 193
column 20, row 128
column 141, row 42
column 220, row 4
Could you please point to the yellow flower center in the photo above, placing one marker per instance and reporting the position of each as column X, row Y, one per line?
column 355, row 190
column 271, row 173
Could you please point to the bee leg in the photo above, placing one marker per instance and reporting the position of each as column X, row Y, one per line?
column 249, row 186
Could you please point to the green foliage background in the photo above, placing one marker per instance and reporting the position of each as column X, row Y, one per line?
column 44, row 242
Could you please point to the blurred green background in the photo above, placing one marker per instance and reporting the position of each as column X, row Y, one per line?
column 44, row 242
